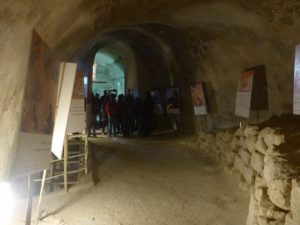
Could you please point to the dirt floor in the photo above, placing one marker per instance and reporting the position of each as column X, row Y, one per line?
column 149, row 182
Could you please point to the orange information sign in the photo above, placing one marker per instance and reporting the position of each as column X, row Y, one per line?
column 198, row 98
column 296, row 98
column 244, row 92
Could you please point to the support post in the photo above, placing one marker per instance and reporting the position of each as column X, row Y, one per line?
column 86, row 150
column 29, row 202
column 40, row 197
column 66, row 146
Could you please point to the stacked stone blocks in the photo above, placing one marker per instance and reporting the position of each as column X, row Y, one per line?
column 252, row 155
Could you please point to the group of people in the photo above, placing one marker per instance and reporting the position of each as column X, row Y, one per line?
column 121, row 114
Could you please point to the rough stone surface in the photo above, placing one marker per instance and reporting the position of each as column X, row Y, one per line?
column 275, row 214
column 295, row 202
column 226, row 137
column 242, row 183
column 273, row 139
column 239, row 164
column 260, row 182
column 264, row 132
column 276, row 222
column 261, row 146
column 239, row 132
column 259, row 193
column 250, row 131
column 220, row 144
column 264, row 203
column 241, row 142
column 257, row 162
column 234, row 144
column 245, row 156
column 279, row 192
column 272, row 169
column 262, row 169
column 251, row 218
column 290, row 221
column 262, row 221
column 230, row 158
column 248, row 174
column 250, row 143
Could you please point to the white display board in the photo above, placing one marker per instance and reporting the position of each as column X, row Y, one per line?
column 68, row 71
column 198, row 97
column 77, row 116
column 33, row 154
column 244, row 92
column 296, row 98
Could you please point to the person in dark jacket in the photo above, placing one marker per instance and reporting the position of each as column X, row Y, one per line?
column 111, row 110
column 103, row 102
column 120, row 107
column 146, row 114
column 127, row 113
column 95, row 110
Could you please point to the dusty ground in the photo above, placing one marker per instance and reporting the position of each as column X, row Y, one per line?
column 143, row 182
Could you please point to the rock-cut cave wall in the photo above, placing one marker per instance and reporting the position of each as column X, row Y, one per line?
column 176, row 43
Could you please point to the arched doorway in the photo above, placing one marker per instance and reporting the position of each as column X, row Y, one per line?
column 108, row 72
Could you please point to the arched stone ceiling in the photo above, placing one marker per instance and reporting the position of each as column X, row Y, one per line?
column 206, row 40
column 224, row 37
column 75, row 22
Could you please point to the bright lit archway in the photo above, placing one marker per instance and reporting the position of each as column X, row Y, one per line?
column 108, row 72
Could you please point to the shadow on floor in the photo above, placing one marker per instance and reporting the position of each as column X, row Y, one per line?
column 101, row 148
column 98, row 156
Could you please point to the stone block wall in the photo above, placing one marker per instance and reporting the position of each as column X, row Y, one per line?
column 251, row 154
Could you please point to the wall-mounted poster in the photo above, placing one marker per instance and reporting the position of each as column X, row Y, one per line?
column 77, row 115
column 67, row 73
column 172, row 101
column 243, row 98
column 198, row 97
column 296, row 98
column 37, row 120
column 157, row 102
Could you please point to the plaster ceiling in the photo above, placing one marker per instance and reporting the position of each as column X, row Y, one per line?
column 72, row 24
